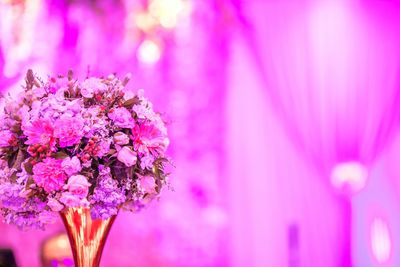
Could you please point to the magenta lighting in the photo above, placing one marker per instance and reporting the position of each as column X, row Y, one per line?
column 283, row 125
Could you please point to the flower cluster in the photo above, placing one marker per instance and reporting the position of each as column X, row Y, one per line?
column 65, row 144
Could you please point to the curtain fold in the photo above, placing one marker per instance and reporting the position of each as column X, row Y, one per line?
column 331, row 71
column 281, row 214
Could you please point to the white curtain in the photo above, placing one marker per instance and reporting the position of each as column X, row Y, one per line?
column 282, row 214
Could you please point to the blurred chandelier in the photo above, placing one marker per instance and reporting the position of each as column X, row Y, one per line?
column 164, row 13
column 152, row 23
column 349, row 176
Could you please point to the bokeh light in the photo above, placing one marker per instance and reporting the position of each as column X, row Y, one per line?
column 351, row 174
column 149, row 52
column 381, row 243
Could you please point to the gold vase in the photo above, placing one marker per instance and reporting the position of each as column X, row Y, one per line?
column 86, row 236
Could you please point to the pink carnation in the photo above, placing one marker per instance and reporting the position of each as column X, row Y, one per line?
column 127, row 156
column 148, row 138
column 78, row 185
column 49, row 174
column 40, row 132
column 122, row 117
column 69, row 130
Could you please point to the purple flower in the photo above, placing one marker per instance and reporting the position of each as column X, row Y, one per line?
column 122, row 117
column 27, row 215
column 127, row 156
column 6, row 138
column 104, row 148
column 49, row 174
column 23, row 220
column 72, row 165
column 10, row 196
column 47, row 217
column 107, row 196
column 69, row 130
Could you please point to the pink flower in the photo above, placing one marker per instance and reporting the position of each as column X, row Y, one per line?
column 148, row 138
column 147, row 184
column 24, row 113
column 144, row 112
column 121, row 138
column 104, row 148
column 54, row 204
column 127, row 156
column 40, row 132
column 72, row 165
column 78, row 185
column 38, row 92
column 49, row 174
column 6, row 138
column 69, row 130
column 57, row 84
column 91, row 86
column 147, row 161
column 71, row 200
column 122, row 117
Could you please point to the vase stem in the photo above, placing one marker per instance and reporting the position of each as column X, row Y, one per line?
column 87, row 236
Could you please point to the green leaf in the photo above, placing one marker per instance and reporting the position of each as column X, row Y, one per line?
column 16, row 128
column 131, row 102
column 29, row 182
column 159, row 186
column 18, row 160
column 11, row 159
column 14, row 177
column 112, row 152
column 60, row 155
column 28, row 167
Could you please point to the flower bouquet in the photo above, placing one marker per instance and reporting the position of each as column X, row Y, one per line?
column 84, row 150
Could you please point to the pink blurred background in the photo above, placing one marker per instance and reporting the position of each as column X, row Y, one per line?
column 284, row 124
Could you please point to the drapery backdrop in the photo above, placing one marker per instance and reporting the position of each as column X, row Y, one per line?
column 331, row 69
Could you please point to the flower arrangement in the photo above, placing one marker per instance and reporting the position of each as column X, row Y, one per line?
column 65, row 144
